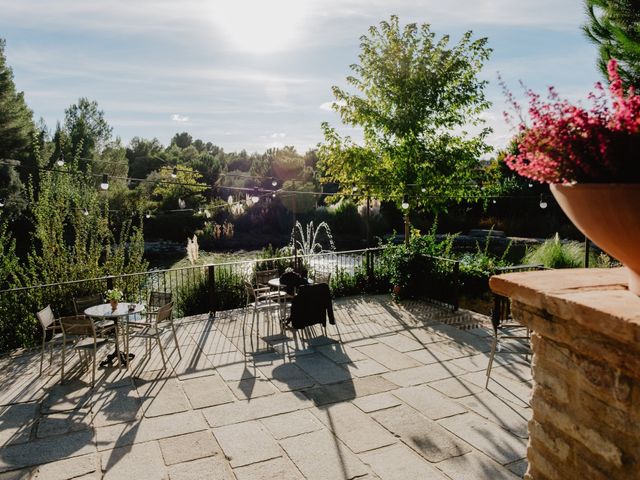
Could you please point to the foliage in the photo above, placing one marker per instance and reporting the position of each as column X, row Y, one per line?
column 88, row 130
column 477, row 267
column 554, row 253
column 265, row 260
column 307, row 240
column 114, row 294
column 415, row 92
column 613, row 26
column 176, row 193
column 193, row 298
column 567, row 143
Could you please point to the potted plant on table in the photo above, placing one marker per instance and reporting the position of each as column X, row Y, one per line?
column 591, row 159
column 114, row 296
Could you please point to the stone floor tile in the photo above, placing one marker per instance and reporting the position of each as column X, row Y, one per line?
column 425, row 335
column 400, row 342
column 321, row 369
column 519, row 468
column 340, row 392
column 250, row 388
column 207, row 391
column 115, row 405
column 193, row 363
column 340, row 353
column 161, row 396
column 422, row 374
column 473, row 466
column 261, row 407
column 286, row 376
column 72, row 395
column 238, row 371
column 421, row 434
column 211, row 468
column 280, row 468
column 399, row 462
column 501, row 412
column 497, row 443
column 139, row 462
column 455, row 387
column 365, row 368
column 292, row 424
column 191, row 446
column 47, row 450
column 387, row 356
column 246, row 443
column 375, row 402
column 518, row 393
column 148, row 429
column 68, row 468
column 63, row 423
column 429, row 402
column 24, row 474
column 516, row 372
column 430, row 354
column 16, row 422
column 321, row 456
column 355, row 428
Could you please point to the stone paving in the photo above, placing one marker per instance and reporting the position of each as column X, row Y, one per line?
column 396, row 391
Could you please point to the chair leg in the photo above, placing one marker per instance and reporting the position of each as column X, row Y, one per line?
column 93, row 366
column 44, row 336
column 175, row 337
column 493, row 353
column 164, row 362
column 64, row 350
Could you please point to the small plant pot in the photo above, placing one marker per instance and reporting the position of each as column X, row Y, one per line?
column 397, row 289
column 609, row 215
column 114, row 305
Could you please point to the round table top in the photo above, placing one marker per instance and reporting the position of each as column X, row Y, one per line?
column 122, row 310
column 275, row 282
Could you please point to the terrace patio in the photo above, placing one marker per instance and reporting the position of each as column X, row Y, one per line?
column 395, row 392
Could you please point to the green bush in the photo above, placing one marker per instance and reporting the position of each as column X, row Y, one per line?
column 193, row 298
column 556, row 254
column 477, row 267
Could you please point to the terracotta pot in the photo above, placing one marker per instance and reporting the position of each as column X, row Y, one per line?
column 114, row 305
column 609, row 215
column 397, row 289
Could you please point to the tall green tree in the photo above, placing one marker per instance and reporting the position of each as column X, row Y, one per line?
column 614, row 26
column 87, row 128
column 414, row 97
column 17, row 136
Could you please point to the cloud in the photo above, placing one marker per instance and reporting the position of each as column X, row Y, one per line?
column 278, row 135
column 176, row 117
column 328, row 106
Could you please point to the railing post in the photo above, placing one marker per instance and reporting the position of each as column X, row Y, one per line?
column 456, row 286
column 211, row 289
column 109, row 282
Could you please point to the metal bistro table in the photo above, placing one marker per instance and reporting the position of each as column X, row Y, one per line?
column 105, row 312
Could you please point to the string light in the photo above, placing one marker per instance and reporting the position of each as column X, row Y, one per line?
column 274, row 183
column 405, row 202
column 423, row 190
column 148, row 214
column 354, row 188
column 105, row 182
column 255, row 198
column 543, row 202
column 85, row 212
column 174, row 173
column 2, row 202
column 60, row 161
column 493, row 201
column 531, row 185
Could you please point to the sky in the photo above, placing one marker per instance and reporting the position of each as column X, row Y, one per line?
column 257, row 74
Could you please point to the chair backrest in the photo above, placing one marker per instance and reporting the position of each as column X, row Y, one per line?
column 164, row 313
column 263, row 276
column 78, row 325
column 502, row 305
column 159, row 299
column 46, row 317
column 80, row 304
column 323, row 277
column 250, row 291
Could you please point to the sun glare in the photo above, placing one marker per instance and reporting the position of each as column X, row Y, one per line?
column 260, row 26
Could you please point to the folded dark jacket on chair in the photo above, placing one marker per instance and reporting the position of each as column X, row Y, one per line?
column 291, row 281
column 311, row 305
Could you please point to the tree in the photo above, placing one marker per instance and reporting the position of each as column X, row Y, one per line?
column 416, row 97
column 182, row 140
column 614, row 25
column 17, row 135
column 87, row 128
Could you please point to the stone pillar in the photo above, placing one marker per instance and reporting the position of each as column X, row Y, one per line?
column 586, row 371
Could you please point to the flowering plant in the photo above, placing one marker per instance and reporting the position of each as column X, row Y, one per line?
column 113, row 295
column 567, row 143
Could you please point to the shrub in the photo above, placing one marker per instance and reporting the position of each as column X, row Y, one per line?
column 556, row 254
column 193, row 298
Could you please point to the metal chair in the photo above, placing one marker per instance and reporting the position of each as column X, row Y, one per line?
column 154, row 329
column 258, row 300
column 82, row 329
column 80, row 304
column 51, row 325
column 504, row 328
column 322, row 277
column 263, row 277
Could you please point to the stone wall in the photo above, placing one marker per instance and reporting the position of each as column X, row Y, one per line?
column 586, row 372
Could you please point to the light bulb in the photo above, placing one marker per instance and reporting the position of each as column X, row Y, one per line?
column 60, row 161
column 274, row 183
column 493, row 201
column 354, row 188
column 85, row 212
column 105, row 182
column 199, row 210
column 531, row 185
column 405, row 202
column 423, row 190
column 174, row 173
column 2, row 202
column 148, row 214
column 255, row 198
column 543, row 204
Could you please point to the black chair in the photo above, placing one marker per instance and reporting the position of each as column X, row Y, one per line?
column 504, row 328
